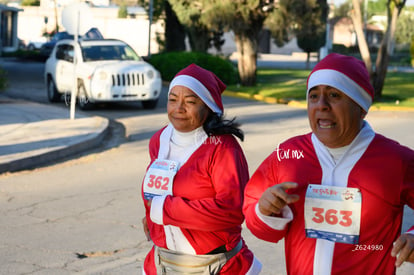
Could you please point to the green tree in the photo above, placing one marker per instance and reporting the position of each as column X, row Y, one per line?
column 189, row 15
column 30, row 3
column 311, row 26
column 123, row 11
column 343, row 9
column 379, row 72
column 174, row 30
column 245, row 18
column 405, row 28
column 378, row 7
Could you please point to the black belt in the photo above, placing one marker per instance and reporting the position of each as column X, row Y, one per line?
column 220, row 249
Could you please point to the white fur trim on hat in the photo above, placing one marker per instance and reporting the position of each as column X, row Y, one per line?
column 341, row 82
column 198, row 88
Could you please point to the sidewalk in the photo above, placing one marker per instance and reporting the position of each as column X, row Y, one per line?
column 33, row 134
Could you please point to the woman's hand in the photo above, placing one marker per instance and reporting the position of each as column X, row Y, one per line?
column 146, row 230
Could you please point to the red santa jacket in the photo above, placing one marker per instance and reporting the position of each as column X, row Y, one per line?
column 385, row 176
column 207, row 201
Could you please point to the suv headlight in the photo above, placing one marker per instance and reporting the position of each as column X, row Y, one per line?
column 102, row 75
column 150, row 74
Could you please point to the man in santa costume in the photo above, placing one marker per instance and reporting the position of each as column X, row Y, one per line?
column 336, row 194
column 194, row 185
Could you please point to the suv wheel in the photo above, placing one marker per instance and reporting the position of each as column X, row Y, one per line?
column 52, row 93
column 83, row 99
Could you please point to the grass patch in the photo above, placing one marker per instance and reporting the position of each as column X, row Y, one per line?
column 285, row 85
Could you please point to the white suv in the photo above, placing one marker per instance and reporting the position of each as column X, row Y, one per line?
column 107, row 70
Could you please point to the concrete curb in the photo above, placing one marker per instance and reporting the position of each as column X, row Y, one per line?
column 298, row 104
column 91, row 140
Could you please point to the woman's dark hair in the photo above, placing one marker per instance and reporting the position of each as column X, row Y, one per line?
column 215, row 124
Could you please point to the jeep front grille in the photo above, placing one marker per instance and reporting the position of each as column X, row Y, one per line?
column 128, row 79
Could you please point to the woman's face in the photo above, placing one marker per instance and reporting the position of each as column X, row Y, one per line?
column 186, row 111
column 334, row 117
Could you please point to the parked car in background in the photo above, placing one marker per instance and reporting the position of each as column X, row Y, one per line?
column 35, row 43
column 107, row 70
column 47, row 47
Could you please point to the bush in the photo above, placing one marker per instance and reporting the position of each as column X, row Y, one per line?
column 170, row 63
column 26, row 55
column 33, row 3
column 342, row 49
column 123, row 11
column 412, row 51
column 3, row 79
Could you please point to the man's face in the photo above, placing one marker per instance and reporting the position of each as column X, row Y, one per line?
column 334, row 117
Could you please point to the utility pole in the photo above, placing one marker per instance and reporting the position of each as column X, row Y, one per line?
column 149, row 27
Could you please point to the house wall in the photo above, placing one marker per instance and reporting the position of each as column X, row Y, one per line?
column 8, row 29
column 32, row 25
column 344, row 34
column 134, row 31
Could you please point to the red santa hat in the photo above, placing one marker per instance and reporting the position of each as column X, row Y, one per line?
column 345, row 73
column 203, row 83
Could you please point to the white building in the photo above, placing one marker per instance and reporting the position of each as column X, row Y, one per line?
column 8, row 28
column 33, row 22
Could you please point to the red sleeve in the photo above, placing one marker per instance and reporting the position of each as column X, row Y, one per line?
column 263, row 178
column 229, row 175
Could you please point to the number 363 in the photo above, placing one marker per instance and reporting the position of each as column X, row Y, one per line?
column 332, row 216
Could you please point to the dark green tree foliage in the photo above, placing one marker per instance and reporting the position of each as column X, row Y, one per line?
column 174, row 30
column 311, row 25
column 169, row 64
column 405, row 27
column 123, row 11
column 189, row 14
column 157, row 7
column 280, row 22
column 245, row 18
column 30, row 3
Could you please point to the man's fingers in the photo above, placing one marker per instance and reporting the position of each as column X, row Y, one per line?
column 403, row 249
column 280, row 192
column 275, row 198
column 288, row 185
column 398, row 244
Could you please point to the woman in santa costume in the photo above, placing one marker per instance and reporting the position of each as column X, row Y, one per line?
column 337, row 194
column 193, row 188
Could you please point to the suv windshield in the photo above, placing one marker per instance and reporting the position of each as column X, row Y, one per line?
column 108, row 52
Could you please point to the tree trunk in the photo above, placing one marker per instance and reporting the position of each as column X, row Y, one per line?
column 247, row 56
column 174, row 31
column 383, row 56
column 356, row 17
column 199, row 39
column 378, row 76
column 308, row 60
